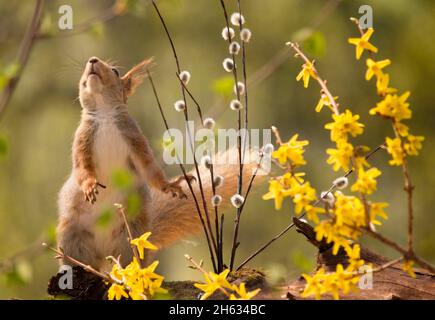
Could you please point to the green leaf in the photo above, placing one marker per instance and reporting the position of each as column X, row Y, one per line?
column 7, row 73
column 134, row 203
column 3, row 146
column 315, row 44
column 97, row 30
column 20, row 274
column 122, row 179
column 224, row 86
column 51, row 234
column 301, row 261
column 104, row 218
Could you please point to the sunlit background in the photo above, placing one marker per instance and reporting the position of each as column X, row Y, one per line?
column 37, row 127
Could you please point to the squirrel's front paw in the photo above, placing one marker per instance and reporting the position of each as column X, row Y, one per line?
column 175, row 189
column 90, row 189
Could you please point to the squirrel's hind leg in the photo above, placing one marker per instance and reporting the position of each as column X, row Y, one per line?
column 78, row 243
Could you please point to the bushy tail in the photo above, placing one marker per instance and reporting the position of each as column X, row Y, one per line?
column 174, row 219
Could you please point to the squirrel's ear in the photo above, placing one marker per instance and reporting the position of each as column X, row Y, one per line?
column 135, row 76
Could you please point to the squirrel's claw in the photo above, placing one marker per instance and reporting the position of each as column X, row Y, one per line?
column 175, row 189
column 90, row 189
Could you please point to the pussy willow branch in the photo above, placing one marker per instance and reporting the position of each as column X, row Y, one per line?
column 186, row 118
column 23, row 54
column 316, row 203
column 265, row 71
column 239, row 145
column 321, row 82
column 219, row 251
column 183, row 170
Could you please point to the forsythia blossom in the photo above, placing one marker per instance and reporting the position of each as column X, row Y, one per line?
column 307, row 72
column 363, row 43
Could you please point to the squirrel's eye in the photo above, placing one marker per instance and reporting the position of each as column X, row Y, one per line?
column 115, row 71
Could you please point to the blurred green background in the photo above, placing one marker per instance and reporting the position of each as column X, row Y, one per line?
column 37, row 128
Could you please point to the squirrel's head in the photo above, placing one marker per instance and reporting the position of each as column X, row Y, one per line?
column 102, row 85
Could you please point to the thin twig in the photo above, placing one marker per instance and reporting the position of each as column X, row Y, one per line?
column 121, row 210
column 321, row 82
column 62, row 255
column 239, row 145
column 186, row 118
column 23, row 55
column 408, row 255
column 197, row 266
column 183, row 170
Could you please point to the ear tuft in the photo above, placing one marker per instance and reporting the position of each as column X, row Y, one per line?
column 135, row 76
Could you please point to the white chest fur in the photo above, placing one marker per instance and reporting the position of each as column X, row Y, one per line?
column 110, row 149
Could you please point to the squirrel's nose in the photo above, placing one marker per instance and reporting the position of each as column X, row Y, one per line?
column 93, row 60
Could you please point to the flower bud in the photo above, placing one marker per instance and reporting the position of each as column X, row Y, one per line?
column 341, row 182
column 209, row 123
column 237, row 200
column 228, row 64
column 237, row 19
column 185, row 77
column 235, row 105
column 216, row 200
column 180, row 105
column 245, row 35
column 234, row 47
column 228, row 33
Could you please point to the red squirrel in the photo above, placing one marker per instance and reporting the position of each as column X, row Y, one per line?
column 108, row 139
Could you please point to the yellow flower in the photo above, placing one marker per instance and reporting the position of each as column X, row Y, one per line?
column 394, row 107
column 213, row 282
column 344, row 123
column 302, row 195
column 377, row 209
column 340, row 157
column 276, row 192
column 363, row 43
column 382, row 82
column 408, row 267
column 394, row 147
column 312, row 212
column 314, row 284
column 142, row 243
column 116, row 292
column 116, row 272
column 289, row 179
column 349, row 211
column 353, row 253
column 306, row 72
column 366, row 182
column 375, row 68
column 402, row 129
column 324, row 101
column 413, row 145
column 292, row 151
column 243, row 295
